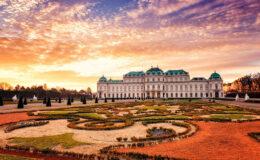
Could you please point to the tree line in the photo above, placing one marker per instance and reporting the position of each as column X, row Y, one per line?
column 7, row 91
column 248, row 84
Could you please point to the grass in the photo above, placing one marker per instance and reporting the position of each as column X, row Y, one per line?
column 164, row 117
column 151, row 107
column 12, row 157
column 46, row 142
column 237, row 112
column 56, row 112
column 91, row 115
column 231, row 116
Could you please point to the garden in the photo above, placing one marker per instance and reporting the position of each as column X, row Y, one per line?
column 116, row 129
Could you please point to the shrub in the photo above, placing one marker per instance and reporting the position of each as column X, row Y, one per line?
column 96, row 100
column 125, row 139
column 20, row 103
column 48, row 104
column 105, row 100
column 59, row 100
column 68, row 102
column 119, row 139
column 84, row 101
column 1, row 101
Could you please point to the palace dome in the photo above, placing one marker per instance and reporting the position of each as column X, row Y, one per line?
column 215, row 75
column 102, row 79
column 153, row 71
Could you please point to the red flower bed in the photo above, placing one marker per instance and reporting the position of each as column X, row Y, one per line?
column 213, row 141
column 15, row 117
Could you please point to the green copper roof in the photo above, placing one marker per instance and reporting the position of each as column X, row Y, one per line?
column 102, row 79
column 154, row 71
column 115, row 81
column 138, row 73
column 215, row 75
column 176, row 72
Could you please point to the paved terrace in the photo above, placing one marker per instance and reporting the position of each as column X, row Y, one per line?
column 11, row 108
column 241, row 104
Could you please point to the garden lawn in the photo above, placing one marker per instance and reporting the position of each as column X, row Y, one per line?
column 47, row 142
column 11, row 157
column 164, row 117
column 230, row 116
column 91, row 115
column 151, row 107
column 237, row 112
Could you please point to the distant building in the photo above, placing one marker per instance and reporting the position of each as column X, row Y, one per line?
column 154, row 83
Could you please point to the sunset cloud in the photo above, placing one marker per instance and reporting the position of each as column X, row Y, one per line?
column 40, row 39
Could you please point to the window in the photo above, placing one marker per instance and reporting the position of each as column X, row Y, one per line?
column 201, row 87
column 216, row 86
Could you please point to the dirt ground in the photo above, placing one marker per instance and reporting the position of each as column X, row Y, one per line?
column 99, row 139
column 218, row 141
column 15, row 117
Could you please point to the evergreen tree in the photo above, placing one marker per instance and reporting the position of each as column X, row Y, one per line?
column 25, row 101
column 105, row 100
column 59, row 100
column 1, row 101
column 96, row 100
column 72, row 100
column 48, row 104
column 20, row 103
column 69, row 101
column 84, row 101
column 44, row 100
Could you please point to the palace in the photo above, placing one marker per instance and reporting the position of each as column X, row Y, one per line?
column 154, row 83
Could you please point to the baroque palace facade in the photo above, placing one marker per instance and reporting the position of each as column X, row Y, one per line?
column 154, row 83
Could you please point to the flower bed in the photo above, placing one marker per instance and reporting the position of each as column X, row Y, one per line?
column 106, row 126
column 24, row 124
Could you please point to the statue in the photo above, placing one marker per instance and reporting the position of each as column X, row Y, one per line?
column 14, row 98
column 237, row 97
column 34, row 98
column 246, row 97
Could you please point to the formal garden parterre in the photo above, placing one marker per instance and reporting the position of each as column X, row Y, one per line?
column 99, row 130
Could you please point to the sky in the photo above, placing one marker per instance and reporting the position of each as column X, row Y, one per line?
column 71, row 43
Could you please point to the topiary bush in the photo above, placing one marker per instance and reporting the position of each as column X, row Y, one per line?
column 1, row 101
column 20, row 103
